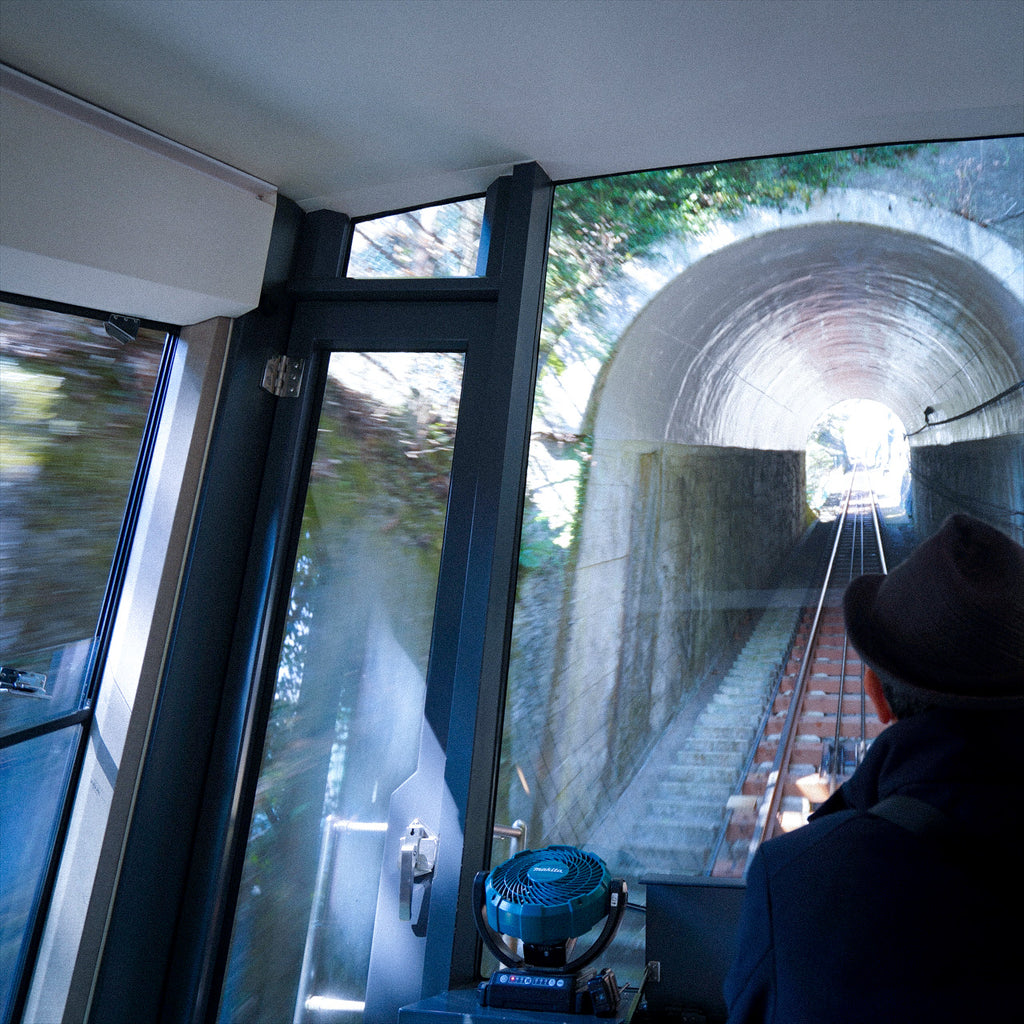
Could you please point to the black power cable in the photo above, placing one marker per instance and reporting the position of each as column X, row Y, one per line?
column 970, row 412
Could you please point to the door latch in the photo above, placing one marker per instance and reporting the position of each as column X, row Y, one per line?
column 416, row 862
column 27, row 684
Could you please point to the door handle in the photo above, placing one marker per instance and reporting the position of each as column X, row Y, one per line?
column 416, row 862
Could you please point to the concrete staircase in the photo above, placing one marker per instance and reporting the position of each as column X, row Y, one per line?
column 669, row 819
column 686, row 805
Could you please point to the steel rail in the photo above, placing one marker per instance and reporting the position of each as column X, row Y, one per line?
column 768, row 811
column 837, row 761
column 837, row 740
column 885, row 572
column 878, row 532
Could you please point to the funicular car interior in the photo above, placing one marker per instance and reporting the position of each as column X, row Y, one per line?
column 204, row 191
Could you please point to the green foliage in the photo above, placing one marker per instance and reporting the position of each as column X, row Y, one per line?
column 539, row 543
column 600, row 225
column 378, row 471
column 389, row 464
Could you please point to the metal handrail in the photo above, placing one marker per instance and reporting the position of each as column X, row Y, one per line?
column 516, row 832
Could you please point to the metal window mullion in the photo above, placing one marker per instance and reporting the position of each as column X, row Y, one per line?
column 31, row 732
column 133, row 508
column 199, row 961
column 507, row 365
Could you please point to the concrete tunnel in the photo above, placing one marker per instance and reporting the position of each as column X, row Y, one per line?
column 752, row 344
column 696, row 491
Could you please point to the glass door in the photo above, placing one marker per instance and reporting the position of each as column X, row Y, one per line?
column 344, row 729
column 354, row 819
column 406, row 456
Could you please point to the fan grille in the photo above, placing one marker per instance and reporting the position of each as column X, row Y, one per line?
column 522, row 879
column 548, row 895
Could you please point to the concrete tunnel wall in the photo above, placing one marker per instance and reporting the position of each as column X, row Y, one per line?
column 696, row 489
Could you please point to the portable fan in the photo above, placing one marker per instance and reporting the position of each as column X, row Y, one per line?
column 547, row 899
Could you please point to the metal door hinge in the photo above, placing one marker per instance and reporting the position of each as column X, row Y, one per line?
column 283, row 376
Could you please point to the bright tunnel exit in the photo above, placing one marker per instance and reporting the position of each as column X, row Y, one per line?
column 854, row 433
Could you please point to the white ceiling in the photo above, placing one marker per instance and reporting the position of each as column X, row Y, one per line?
column 370, row 105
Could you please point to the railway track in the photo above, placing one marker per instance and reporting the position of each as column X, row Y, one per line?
column 819, row 723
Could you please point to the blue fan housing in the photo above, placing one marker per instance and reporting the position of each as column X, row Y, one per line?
column 547, row 896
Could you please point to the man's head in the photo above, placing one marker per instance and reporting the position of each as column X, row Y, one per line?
column 946, row 627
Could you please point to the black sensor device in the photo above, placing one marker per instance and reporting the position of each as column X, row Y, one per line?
column 604, row 993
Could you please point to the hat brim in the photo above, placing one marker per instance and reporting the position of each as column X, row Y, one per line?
column 880, row 651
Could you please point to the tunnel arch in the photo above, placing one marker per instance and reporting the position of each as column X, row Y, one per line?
column 752, row 341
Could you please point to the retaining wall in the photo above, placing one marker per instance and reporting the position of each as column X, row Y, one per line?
column 676, row 543
column 984, row 477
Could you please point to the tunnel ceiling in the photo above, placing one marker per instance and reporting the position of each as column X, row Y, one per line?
column 751, row 345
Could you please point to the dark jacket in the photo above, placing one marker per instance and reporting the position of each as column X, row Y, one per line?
column 856, row 919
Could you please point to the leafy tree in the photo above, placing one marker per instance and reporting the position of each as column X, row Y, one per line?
column 601, row 225
column 436, row 241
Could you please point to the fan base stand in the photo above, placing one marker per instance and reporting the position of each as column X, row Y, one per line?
column 525, row 988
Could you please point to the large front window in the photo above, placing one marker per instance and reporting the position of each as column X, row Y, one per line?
column 702, row 327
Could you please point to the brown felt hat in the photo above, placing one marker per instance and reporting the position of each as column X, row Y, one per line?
column 947, row 623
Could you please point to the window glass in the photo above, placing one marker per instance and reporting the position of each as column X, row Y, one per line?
column 33, row 778
column 704, row 331
column 74, row 404
column 434, row 241
column 73, row 407
column 345, row 723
